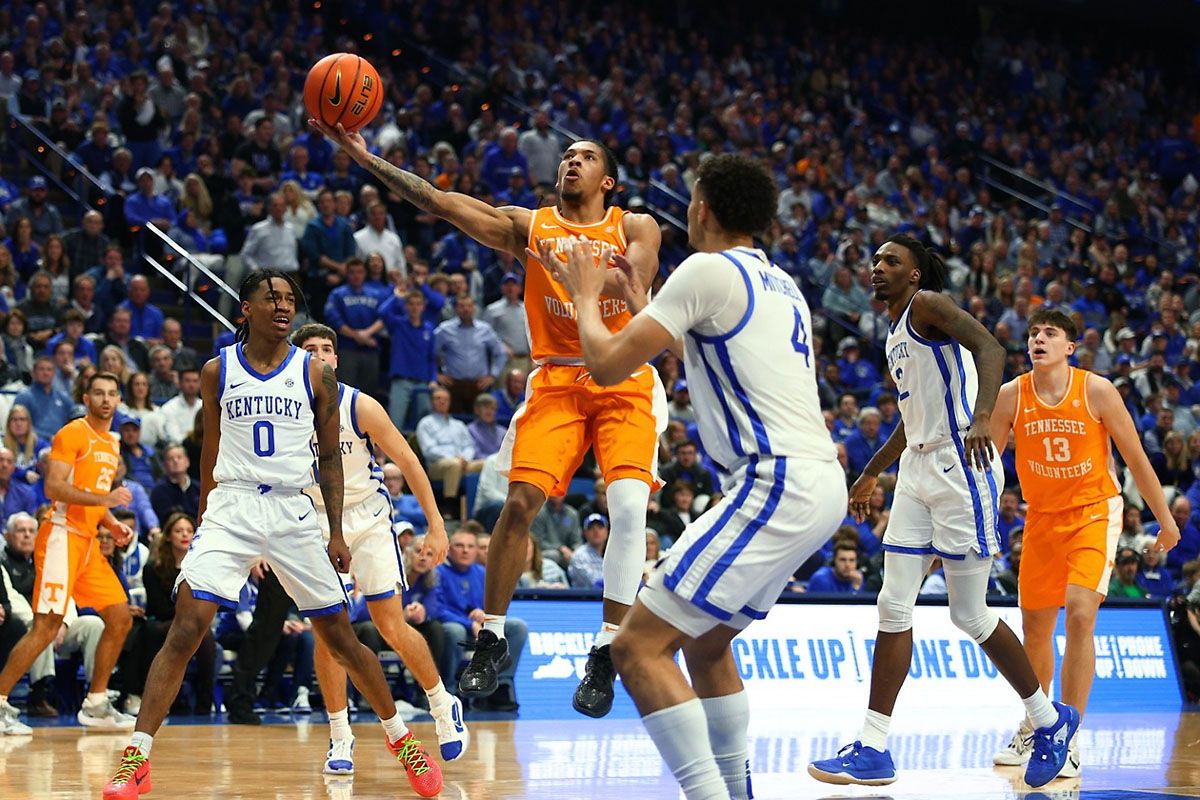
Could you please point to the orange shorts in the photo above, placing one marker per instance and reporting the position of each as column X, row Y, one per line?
column 566, row 412
column 1075, row 546
column 69, row 565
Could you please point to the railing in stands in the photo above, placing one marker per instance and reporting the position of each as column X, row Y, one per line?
column 55, row 164
column 1019, row 178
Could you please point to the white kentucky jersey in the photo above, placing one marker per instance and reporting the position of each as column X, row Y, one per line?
column 363, row 477
column 746, row 331
column 267, row 422
column 936, row 384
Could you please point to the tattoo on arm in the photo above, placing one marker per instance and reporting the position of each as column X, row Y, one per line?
column 411, row 187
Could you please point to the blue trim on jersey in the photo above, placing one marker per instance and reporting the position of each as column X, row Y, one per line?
column 976, row 502
column 341, row 391
column 210, row 597
column 326, row 611
column 221, row 384
column 354, row 416
column 749, row 307
column 908, row 551
column 753, row 613
column 735, row 435
column 255, row 373
column 951, row 556
column 693, row 552
column 934, row 343
column 743, row 539
column 312, row 400
column 756, row 423
column 370, row 598
column 991, row 480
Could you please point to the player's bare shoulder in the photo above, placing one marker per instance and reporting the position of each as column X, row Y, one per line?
column 640, row 227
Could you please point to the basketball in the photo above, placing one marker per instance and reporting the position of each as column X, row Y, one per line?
column 345, row 88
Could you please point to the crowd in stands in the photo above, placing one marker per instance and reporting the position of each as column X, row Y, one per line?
column 190, row 115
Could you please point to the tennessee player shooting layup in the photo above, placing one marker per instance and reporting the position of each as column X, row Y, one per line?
column 566, row 411
column 84, row 457
column 1063, row 418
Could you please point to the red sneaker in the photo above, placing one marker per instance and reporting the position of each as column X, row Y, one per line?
column 131, row 779
column 424, row 775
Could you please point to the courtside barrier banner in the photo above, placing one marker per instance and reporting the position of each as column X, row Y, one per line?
column 812, row 656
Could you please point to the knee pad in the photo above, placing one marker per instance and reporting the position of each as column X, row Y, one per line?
column 975, row 620
column 895, row 611
column 902, row 576
column 625, row 554
column 966, row 583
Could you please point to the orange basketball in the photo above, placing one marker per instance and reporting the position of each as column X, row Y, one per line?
column 345, row 88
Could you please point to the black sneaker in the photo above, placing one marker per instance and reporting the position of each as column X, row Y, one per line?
column 238, row 715
column 481, row 675
column 594, row 695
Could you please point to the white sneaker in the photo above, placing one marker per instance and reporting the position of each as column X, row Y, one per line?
column 340, row 758
column 104, row 716
column 407, row 711
column 10, row 721
column 1016, row 753
column 133, row 704
column 301, row 705
column 452, row 733
column 1071, row 767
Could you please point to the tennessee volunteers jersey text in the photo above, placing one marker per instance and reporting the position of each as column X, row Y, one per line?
column 1063, row 451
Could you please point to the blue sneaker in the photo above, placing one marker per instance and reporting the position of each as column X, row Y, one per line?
column 1051, row 746
column 856, row 763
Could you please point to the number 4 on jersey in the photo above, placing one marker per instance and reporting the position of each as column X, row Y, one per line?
column 800, row 337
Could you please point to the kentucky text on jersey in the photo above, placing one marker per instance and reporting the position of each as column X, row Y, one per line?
column 609, row 307
column 262, row 406
column 897, row 353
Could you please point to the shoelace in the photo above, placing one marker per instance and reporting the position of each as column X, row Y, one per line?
column 413, row 757
column 849, row 749
column 599, row 668
column 129, row 766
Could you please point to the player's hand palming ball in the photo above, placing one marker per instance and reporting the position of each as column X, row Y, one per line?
column 345, row 88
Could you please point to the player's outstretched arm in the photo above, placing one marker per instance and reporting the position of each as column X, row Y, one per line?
column 210, row 384
column 937, row 312
column 329, row 456
column 1107, row 405
column 374, row 421
column 505, row 229
column 610, row 358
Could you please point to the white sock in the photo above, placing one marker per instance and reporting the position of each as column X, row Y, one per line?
column 607, row 633
column 495, row 624
column 728, row 720
column 679, row 734
column 1041, row 711
column 395, row 728
column 339, row 724
column 875, row 730
column 95, row 698
column 142, row 741
column 438, row 695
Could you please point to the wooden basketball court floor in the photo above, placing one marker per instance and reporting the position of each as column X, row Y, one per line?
column 1141, row 756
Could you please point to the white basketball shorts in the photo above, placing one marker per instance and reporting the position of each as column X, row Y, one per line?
column 731, row 563
column 241, row 526
column 944, row 507
column 375, row 561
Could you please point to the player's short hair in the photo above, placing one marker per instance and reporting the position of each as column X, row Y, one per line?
column 101, row 376
column 740, row 193
column 1056, row 319
column 929, row 261
column 314, row 330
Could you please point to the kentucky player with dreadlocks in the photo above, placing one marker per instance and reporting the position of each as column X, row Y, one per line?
column 263, row 399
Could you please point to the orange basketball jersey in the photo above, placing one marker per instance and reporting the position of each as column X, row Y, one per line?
column 93, row 458
column 1063, row 451
column 553, row 334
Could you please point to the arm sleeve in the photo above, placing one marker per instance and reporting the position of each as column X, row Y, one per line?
column 710, row 286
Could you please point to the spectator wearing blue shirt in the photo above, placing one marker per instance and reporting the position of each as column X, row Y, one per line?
column 862, row 443
column 50, row 409
column 843, row 577
column 448, row 450
column 353, row 311
column 846, row 421
column 1091, row 307
column 413, row 367
column 1008, row 519
column 72, row 332
column 310, row 182
column 469, row 353
column 586, row 567
column 510, row 396
column 889, row 413
column 146, row 319
column 486, row 434
column 1189, row 536
column 328, row 243
column 422, row 601
column 858, row 375
column 146, row 206
column 516, row 192
column 406, row 509
column 460, row 590
column 1152, row 576
column 499, row 160
column 15, row 495
column 139, row 458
